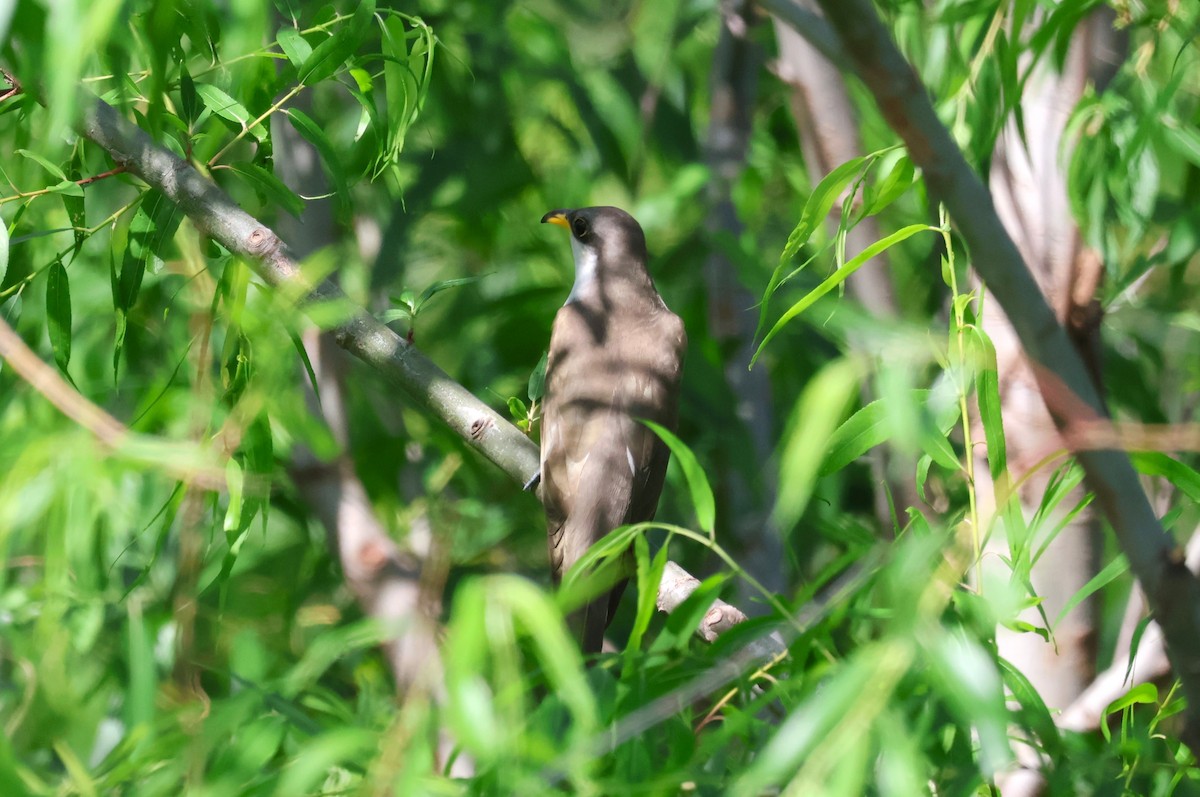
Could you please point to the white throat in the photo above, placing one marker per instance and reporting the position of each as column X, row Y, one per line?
column 586, row 265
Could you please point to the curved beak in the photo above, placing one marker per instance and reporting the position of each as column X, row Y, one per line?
column 558, row 217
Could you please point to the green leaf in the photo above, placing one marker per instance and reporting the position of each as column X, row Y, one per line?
column 58, row 313
column 1156, row 463
column 1033, row 708
column 1142, row 693
column 442, row 285
column 898, row 180
column 967, row 677
column 862, row 431
column 697, row 481
column 311, row 132
column 153, row 226
column 1118, row 566
column 817, row 414
column 987, row 391
column 537, row 379
column 838, row 277
column 189, row 100
column 269, row 186
column 3, row 250
column 407, row 73
column 67, row 188
column 328, row 56
column 44, row 163
column 229, row 109
column 649, row 576
column 294, row 46
column 819, row 203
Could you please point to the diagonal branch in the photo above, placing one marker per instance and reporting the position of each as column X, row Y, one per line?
column 214, row 214
column 1156, row 560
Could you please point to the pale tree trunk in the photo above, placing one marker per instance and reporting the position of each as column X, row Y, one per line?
column 1028, row 185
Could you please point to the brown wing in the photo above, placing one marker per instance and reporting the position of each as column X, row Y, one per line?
column 601, row 468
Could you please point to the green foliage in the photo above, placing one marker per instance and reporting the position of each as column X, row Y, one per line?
column 172, row 617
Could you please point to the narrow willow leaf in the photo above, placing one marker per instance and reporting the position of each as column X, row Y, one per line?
column 311, row 132
column 58, row 313
column 153, row 226
column 862, row 431
column 1156, row 463
column 294, row 46
column 1033, row 708
column 3, row 250
column 67, row 188
column 45, row 163
column 838, row 277
column 328, row 56
column 987, row 392
column 1112, row 570
column 817, row 414
column 819, row 203
column 1142, row 693
column 898, row 180
column 537, row 379
column 229, row 109
column 649, row 576
column 189, row 100
column 269, row 186
column 76, row 209
column 442, row 285
column 407, row 72
column 697, row 482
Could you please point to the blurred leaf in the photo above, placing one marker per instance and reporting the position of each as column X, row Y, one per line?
column 537, row 379
column 309, row 767
column 987, row 391
column 58, row 313
column 862, row 431
column 836, row 278
column 45, row 163
column 294, row 46
column 697, row 482
column 817, row 414
column 1117, row 567
column 1142, row 693
column 3, row 251
column 328, row 56
column 229, row 109
column 816, row 208
column 966, row 676
column 311, row 132
column 1156, row 463
column 270, row 186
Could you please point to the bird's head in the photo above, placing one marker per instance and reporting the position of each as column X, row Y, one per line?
column 606, row 242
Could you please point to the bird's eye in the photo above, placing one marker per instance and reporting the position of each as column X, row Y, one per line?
column 580, row 228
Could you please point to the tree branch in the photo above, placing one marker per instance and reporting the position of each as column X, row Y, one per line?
column 214, row 214
column 1156, row 561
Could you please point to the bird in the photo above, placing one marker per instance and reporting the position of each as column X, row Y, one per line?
column 615, row 358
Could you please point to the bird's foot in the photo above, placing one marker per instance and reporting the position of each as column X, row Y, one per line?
column 534, row 481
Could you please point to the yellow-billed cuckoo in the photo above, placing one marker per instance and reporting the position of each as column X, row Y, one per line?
column 616, row 353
